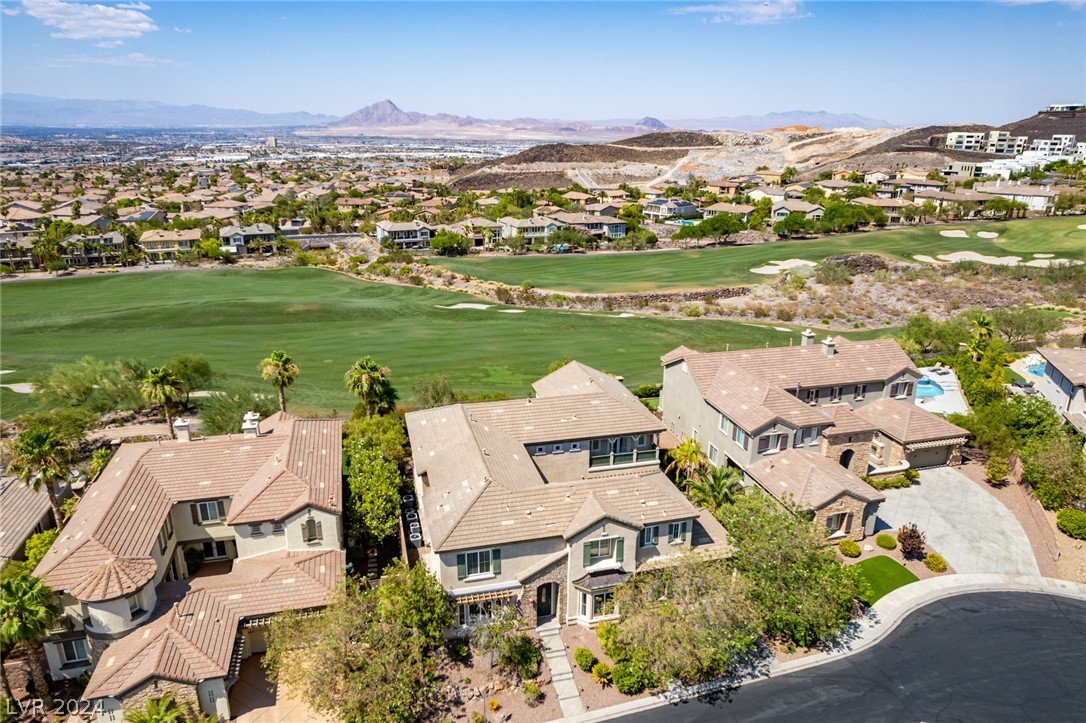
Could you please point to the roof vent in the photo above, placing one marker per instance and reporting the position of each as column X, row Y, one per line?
column 807, row 337
column 829, row 346
column 181, row 429
column 250, row 425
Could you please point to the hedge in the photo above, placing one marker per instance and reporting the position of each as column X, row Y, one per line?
column 1072, row 523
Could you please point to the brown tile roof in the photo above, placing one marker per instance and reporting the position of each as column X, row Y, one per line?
column 749, row 400
column 21, row 509
column 846, row 421
column 556, row 419
column 907, row 423
column 809, row 480
column 114, row 578
column 576, row 378
column 1070, row 362
column 122, row 513
column 592, row 511
column 190, row 636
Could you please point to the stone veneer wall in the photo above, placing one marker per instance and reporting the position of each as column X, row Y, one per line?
column 845, row 504
column 834, row 445
column 557, row 573
column 185, row 695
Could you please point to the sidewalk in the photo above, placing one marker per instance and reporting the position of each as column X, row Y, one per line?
column 868, row 630
column 561, row 675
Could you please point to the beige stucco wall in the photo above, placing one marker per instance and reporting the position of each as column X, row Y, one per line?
column 213, row 698
column 112, row 617
column 185, row 531
column 517, row 558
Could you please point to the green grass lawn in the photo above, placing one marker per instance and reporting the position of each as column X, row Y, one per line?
column 713, row 267
column 884, row 575
column 326, row 321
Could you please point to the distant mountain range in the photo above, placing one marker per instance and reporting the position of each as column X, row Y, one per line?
column 385, row 118
column 36, row 110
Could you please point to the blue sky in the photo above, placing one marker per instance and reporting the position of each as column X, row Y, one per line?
column 906, row 62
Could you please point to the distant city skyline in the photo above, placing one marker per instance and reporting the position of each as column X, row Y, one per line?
column 906, row 62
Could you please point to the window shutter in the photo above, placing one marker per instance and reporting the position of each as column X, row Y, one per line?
column 222, row 509
column 320, row 534
column 461, row 567
column 782, row 442
column 655, row 535
column 618, row 549
column 496, row 561
column 195, row 514
column 587, row 555
column 848, row 523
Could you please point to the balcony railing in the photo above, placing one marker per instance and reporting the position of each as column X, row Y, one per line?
column 615, row 459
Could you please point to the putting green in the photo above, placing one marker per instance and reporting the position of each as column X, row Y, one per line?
column 713, row 267
column 326, row 321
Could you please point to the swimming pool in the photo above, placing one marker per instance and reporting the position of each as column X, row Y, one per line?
column 1037, row 369
column 928, row 387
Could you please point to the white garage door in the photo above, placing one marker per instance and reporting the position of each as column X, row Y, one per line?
column 931, row 457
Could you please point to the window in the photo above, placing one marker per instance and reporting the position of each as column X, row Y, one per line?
column 694, row 433
column 772, row 443
column 812, row 396
column 598, row 604
column 277, row 528
column 135, row 607
column 713, row 454
column 207, row 512
column 859, row 392
column 676, row 532
column 725, row 424
column 597, row 551
column 839, row 523
column 650, row 535
column 472, row 613
column 801, row 435
column 574, row 446
column 558, row 449
column 311, row 531
column 215, row 550
column 164, row 535
column 256, row 530
column 835, row 393
column 740, row 437
column 901, row 389
column 541, row 449
column 478, row 563
column 75, row 651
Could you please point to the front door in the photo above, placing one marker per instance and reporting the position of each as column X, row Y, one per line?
column 544, row 601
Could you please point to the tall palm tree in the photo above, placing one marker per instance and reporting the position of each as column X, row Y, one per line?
column 686, row 460
column 717, row 488
column 39, row 458
column 372, row 383
column 981, row 327
column 28, row 610
column 281, row 371
column 156, row 710
column 160, row 386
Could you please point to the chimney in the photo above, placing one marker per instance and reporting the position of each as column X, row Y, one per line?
column 829, row 346
column 250, row 425
column 181, row 429
column 808, row 337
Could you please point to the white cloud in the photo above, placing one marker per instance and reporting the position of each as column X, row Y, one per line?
column 130, row 60
column 134, row 6
column 109, row 44
column 748, row 12
column 181, row 30
column 79, row 21
column 10, row 11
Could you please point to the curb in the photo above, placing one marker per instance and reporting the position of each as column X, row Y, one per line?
column 870, row 629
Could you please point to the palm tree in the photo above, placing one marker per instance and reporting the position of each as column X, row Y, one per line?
column 686, row 460
column 981, row 327
column 162, row 387
column 39, row 458
column 156, row 710
column 717, row 488
column 28, row 610
column 281, row 371
column 370, row 381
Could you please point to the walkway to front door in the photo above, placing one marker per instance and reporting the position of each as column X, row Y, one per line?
column 554, row 650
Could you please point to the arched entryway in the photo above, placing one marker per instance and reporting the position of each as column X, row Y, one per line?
column 846, row 458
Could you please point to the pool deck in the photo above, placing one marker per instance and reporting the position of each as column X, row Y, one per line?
column 951, row 401
column 1021, row 366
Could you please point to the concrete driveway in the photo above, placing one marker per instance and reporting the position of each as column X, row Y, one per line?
column 965, row 524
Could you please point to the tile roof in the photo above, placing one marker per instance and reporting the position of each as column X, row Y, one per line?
column 1070, row 362
column 190, row 636
column 114, row 578
column 907, row 423
column 21, row 509
column 749, row 400
column 809, row 480
column 121, row 514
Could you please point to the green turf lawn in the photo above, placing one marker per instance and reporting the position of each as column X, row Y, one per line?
column 326, row 321
column 713, row 267
column 884, row 575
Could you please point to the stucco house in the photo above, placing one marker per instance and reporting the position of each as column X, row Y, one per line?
column 550, row 502
column 663, row 208
column 1063, row 383
column 849, row 402
column 181, row 550
column 242, row 240
column 405, row 234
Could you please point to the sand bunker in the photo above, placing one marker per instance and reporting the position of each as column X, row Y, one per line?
column 987, row 234
column 776, row 267
column 781, row 328
column 20, row 387
column 1043, row 256
column 1004, row 260
column 7, row 371
column 1082, row 227
column 926, row 259
column 954, row 234
column 465, row 306
column 510, row 311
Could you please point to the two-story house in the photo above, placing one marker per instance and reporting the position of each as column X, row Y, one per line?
column 242, row 240
column 165, row 245
column 774, row 411
column 663, row 208
column 534, row 229
column 405, row 234
column 597, row 226
column 180, row 551
column 548, row 503
column 84, row 250
column 1063, row 383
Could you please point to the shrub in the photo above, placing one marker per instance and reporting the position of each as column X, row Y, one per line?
column 607, row 634
column 601, row 673
column 935, row 563
column 647, row 391
column 997, row 471
column 533, row 696
column 522, row 655
column 786, row 312
column 889, row 483
column 849, row 548
column 1072, row 523
column 693, row 310
column 631, row 677
column 477, row 717
column 493, row 705
column 585, row 659
column 885, row 541
column 911, row 540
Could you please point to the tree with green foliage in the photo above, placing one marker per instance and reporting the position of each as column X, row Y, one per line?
column 447, row 243
column 157, row 710
column 36, row 547
column 436, row 391
column 1024, row 326
column 921, row 335
column 717, row 487
column 794, row 224
column 373, row 485
column 414, row 597
column 719, row 226
column 161, row 387
column 91, row 384
column 686, row 461
column 1055, row 468
column 690, row 620
column 372, row 383
column 70, row 424
column 794, row 578
column 41, row 459
column 193, row 373
column 222, row 411
column 358, row 660
column 386, row 433
column 281, row 370
column 758, row 218
column 28, row 610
